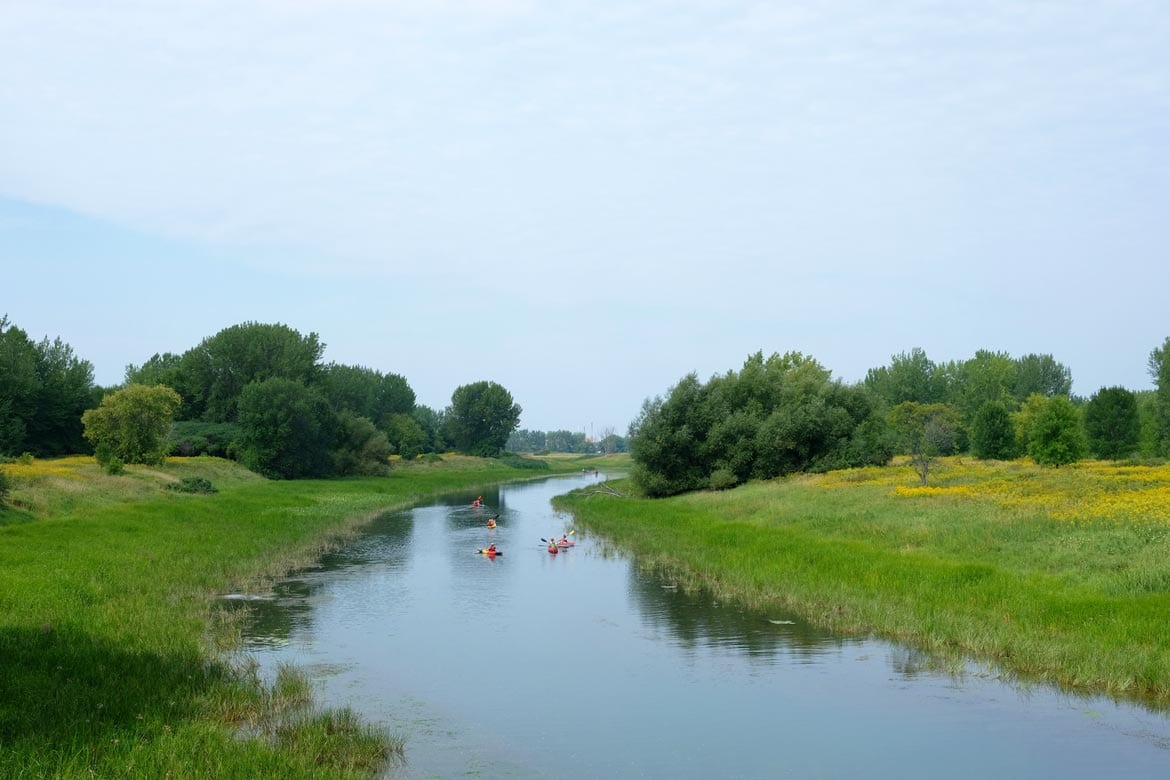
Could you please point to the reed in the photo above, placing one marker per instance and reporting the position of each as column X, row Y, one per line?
column 1060, row 575
column 117, row 661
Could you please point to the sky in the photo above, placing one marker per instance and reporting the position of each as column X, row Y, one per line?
column 586, row 201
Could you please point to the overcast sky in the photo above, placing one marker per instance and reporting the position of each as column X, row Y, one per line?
column 585, row 201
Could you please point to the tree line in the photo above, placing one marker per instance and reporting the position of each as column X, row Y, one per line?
column 785, row 414
column 541, row 442
column 260, row 393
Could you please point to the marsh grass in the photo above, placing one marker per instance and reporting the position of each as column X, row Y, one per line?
column 1040, row 572
column 117, row 661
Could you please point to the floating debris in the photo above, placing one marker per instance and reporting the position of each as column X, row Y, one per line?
column 783, row 622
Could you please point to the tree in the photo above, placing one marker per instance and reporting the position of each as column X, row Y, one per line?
column 406, row 436
column 993, row 436
column 18, row 386
column 1159, row 367
column 132, row 424
column 213, row 375
column 481, row 417
column 161, row 369
column 927, row 431
column 65, row 391
column 1041, row 374
column 989, row 376
column 1056, row 436
column 288, row 430
column 1111, row 423
column 431, row 423
column 366, row 392
column 910, row 376
column 362, row 449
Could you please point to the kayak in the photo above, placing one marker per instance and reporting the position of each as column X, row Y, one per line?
column 490, row 553
column 491, row 523
column 552, row 548
column 565, row 544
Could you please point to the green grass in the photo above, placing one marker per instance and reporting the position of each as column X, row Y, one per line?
column 980, row 572
column 117, row 661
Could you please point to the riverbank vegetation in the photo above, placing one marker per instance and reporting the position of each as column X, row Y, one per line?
column 1061, row 575
column 118, row 660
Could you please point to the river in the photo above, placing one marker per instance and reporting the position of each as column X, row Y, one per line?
column 578, row 665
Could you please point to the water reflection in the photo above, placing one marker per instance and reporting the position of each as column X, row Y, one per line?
column 697, row 619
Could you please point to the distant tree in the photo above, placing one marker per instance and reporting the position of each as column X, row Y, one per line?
column 132, row 424
column 161, row 369
column 19, row 384
column 367, row 392
column 665, row 441
column 989, row 376
column 213, row 375
column 1040, row 374
column 1056, row 436
column 481, row 417
column 288, row 430
column 927, row 431
column 1024, row 419
column 65, row 390
column 774, row 416
column 361, row 449
column 611, row 442
column 1111, row 423
column 1148, row 423
column 406, row 436
column 992, row 435
column 431, row 424
column 911, row 376
column 525, row 440
column 1159, row 368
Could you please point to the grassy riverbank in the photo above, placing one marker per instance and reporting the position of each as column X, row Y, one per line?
column 1060, row 574
column 115, row 660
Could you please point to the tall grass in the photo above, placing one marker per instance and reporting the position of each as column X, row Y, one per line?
column 1058, row 574
column 115, row 661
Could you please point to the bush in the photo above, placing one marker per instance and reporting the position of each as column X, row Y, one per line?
column 517, row 462
column 5, row 487
column 722, row 479
column 195, row 437
column 193, row 485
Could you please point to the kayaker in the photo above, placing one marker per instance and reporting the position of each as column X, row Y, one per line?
column 491, row 548
column 564, row 539
column 491, row 523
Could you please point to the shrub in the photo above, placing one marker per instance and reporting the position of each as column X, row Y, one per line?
column 193, row 485
column 722, row 479
column 5, row 487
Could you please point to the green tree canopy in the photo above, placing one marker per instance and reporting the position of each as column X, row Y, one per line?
column 1056, row 436
column 774, row 416
column 481, row 417
column 1040, row 374
column 132, row 424
column 911, row 376
column 1111, row 423
column 19, row 384
column 1159, row 367
column 288, row 430
column 213, row 375
column 993, row 437
column 367, row 392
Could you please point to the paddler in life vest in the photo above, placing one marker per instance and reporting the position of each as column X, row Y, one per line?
column 491, row 549
column 491, row 523
column 564, row 540
column 477, row 502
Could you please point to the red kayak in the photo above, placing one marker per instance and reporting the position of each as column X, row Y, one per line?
column 552, row 549
column 565, row 544
column 490, row 553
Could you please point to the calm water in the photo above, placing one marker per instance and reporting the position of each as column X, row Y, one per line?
column 579, row 666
